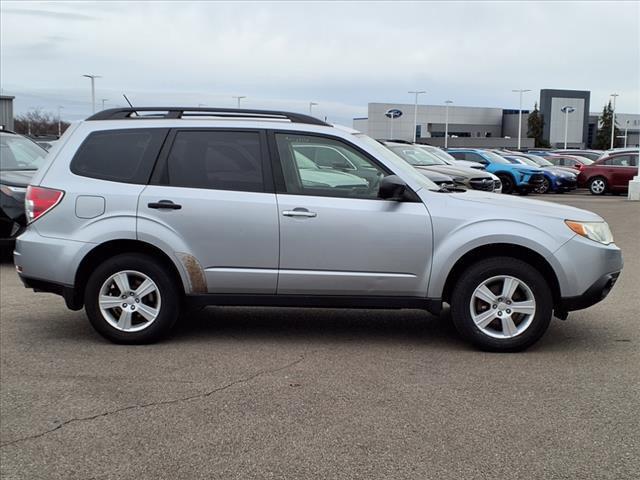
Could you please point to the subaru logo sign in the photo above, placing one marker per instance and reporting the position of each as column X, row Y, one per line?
column 393, row 113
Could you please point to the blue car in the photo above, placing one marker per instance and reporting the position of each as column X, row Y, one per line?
column 556, row 179
column 514, row 177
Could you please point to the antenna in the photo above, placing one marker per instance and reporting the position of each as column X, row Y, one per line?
column 130, row 104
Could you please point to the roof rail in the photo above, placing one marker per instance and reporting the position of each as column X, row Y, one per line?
column 133, row 113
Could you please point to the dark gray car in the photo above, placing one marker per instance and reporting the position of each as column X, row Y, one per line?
column 425, row 161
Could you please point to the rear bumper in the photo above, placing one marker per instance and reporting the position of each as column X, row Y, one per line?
column 67, row 292
column 594, row 294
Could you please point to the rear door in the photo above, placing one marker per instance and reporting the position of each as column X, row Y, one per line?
column 336, row 236
column 621, row 169
column 212, row 200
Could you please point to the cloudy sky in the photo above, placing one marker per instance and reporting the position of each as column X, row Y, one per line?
column 341, row 55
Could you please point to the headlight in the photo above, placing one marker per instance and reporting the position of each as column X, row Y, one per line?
column 459, row 180
column 596, row 231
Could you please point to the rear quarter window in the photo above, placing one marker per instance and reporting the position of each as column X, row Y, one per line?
column 126, row 155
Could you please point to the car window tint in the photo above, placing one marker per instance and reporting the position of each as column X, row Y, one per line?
column 618, row 161
column 217, row 160
column 475, row 157
column 126, row 155
column 336, row 169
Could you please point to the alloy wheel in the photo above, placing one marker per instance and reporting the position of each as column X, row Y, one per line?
column 544, row 186
column 129, row 301
column 502, row 306
column 597, row 186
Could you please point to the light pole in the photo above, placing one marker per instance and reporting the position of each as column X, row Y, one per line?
column 311, row 105
column 567, row 110
column 93, row 90
column 613, row 118
column 446, row 122
column 238, row 98
column 60, row 107
column 415, row 111
column 626, row 128
column 521, row 91
column 103, row 100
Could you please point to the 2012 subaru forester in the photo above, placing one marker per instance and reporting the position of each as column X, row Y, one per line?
column 142, row 213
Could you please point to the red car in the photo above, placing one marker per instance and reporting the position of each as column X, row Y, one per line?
column 609, row 174
column 572, row 161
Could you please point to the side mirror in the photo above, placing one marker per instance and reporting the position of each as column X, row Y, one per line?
column 392, row 187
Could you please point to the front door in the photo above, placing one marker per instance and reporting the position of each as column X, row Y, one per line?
column 213, row 201
column 336, row 236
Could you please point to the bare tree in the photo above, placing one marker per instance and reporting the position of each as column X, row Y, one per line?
column 37, row 122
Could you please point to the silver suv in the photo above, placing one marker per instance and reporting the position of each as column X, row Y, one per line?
column 142, row 214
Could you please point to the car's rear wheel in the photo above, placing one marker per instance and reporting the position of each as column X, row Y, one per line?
column 501, row 304
column 507, row 183
column 598, row 185
column 132, row 299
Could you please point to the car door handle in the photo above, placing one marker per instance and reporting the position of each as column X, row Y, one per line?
column 299, row 212
column 162, row 204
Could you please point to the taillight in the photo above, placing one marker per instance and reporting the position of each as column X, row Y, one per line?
column 40, row 200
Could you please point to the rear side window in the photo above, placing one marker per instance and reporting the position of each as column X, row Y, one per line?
column 217, row 160
column 119, row 155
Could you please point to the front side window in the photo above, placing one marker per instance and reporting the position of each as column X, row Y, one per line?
column 618, row 161
column 217, row 160
column 119, row 155
column 326, row 167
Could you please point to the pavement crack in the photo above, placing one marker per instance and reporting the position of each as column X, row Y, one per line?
column 158, row 403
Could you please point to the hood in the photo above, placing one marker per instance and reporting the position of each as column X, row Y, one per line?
column 469, row 164
column 527, row 206
column 524, row 168
column 17, row 178
column 562, row 171
column 456, row 171
column 433, row 175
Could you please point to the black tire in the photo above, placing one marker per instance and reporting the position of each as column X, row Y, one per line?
column 595, row 185
column 169, row 292
column 507, row 183
column 483, row 270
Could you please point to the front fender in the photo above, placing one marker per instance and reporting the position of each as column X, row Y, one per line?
column 453, row 245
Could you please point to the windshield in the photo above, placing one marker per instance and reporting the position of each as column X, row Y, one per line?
column 589, row 155
column 540, row 161
column 387, row 154
column 416, row 156
column 448, row 159
column 495, row 158
column 18, row 153
column 524, row 160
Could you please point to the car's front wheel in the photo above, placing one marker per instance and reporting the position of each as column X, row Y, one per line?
column 507, row 183
column 544, row 186
column 501, row 304
column 598, row 185
column 132, row 299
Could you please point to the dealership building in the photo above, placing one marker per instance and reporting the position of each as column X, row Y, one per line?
column 492, row 127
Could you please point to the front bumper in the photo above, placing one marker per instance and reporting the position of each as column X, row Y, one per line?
column 594, row 294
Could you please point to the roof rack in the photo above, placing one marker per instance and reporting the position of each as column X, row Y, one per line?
column 137, row 113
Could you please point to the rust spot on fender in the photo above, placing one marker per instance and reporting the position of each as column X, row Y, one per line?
column 194, row 271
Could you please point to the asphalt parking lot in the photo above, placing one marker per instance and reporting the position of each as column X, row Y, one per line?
column 290, row 393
